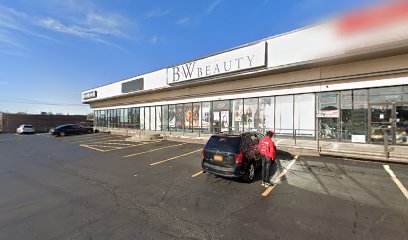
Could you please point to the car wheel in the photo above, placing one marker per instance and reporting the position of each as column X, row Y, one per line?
column 250, row 173
column 62, row 134
column 89, row 131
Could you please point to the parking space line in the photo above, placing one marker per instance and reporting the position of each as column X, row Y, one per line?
column 83, row 136
column 167, row 160
column 283, row 173
column 112, row 148
column 99, row 146
column 396, row 180
column 92, row 139
column 157, row 149
column 97, row 149
column 197, row 174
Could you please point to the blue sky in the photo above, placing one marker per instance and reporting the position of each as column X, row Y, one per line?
column 51, row 50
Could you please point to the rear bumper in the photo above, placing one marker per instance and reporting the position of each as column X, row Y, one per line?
column 232, row 172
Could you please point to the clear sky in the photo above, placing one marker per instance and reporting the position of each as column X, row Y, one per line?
column 51, row 50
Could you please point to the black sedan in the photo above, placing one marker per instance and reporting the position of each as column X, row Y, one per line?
column 70, row 129
column 235, row 156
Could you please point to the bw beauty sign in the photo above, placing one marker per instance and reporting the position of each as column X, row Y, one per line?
column 253, row 56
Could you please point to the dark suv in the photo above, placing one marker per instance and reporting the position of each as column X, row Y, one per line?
column 234, row 156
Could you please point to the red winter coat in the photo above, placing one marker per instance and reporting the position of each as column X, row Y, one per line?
column 267, row 147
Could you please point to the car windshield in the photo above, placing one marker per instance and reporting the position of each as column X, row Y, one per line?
column 27, row 126
column 224, row 144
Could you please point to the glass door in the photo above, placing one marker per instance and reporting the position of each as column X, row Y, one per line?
column 382, row 122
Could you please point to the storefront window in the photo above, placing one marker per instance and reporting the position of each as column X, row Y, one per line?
column 172, row 117
column 196, row 117
column 354, row 115
column 266, row 114
column 142, row 118
column 153, row 118
column 328, row 114
column 134, row 118
column 158, row 118
column 147, row 118
column 188, row 117
column 221, row 116
column 251, row 114
column 165, row 119
column 205, row 116
column 386, row 95
column 238, row 112
column 179, row 117
column 304, row 115
column 284, row 115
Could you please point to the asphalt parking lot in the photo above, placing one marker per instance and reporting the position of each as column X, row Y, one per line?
column 100, row 186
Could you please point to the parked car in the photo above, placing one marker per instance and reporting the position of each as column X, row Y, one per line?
column 70, row 129
column 234, row 156
column 25, row 128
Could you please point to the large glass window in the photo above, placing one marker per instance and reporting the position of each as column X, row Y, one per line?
column 251, row 114
column 205, row 116
column 196, row 116
column 386, row 95
column 188, row 117
column 153, row 118
column 354, row 115
column 134, row 117
column 328, row 114
column 284, row 115
column 238, row 112
column 147, row 118
column 159, row 118
column 266, row 114
column 172, row 117
column 304, row 115
column 142, row 118
column 179, row 117
column 165, row 119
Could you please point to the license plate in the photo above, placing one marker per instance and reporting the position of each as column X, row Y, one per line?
column 218, row 158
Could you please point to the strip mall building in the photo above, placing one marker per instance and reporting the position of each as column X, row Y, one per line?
column 344, row 80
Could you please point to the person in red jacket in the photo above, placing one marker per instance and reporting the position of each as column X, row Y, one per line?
column 267, row 149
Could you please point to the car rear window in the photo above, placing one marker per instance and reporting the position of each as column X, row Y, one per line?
column 224, row 144
column 28, row 126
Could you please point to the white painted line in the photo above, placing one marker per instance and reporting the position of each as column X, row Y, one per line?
column 283, row 173
column 152, row 164
column 396, row 180
column 197, row 174
column 157, row 149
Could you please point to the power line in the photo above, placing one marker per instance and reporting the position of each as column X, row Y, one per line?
column 29, row 101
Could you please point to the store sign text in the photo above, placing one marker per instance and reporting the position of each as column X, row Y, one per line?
column 237, row 60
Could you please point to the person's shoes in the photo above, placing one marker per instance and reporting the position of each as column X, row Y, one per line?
column 267, row 185
column 263, row 184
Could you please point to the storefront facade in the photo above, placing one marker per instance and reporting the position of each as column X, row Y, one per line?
column 309, row 83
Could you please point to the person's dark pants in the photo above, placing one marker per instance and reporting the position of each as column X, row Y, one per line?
column 269, row 168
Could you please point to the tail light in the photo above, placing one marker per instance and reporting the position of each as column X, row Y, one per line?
column 202, row 153
column 239, row 157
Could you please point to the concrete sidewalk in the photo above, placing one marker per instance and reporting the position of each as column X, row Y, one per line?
column 372, row 152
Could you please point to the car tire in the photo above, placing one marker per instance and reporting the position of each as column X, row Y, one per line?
column 249, row 173
column 61, row 134
column 89, row 131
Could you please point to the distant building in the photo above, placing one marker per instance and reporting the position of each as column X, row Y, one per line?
column 42, row 123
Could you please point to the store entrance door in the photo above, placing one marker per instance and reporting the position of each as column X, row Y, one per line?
column 221, row 121
column 390, row 119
